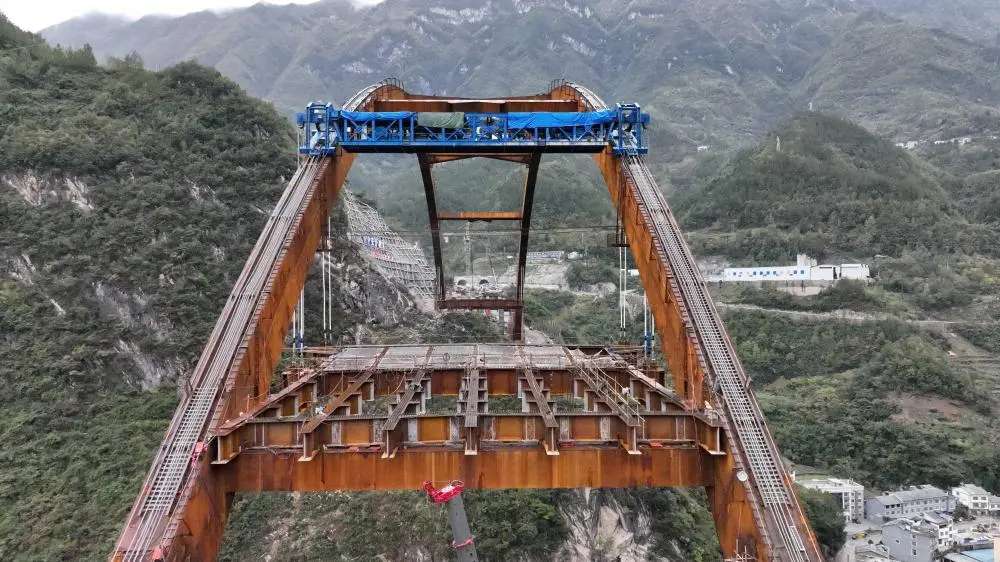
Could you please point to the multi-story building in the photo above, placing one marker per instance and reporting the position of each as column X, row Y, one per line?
column 805, row 269
column 872, row 553
column 849, row 493
column 910, row 541
column 911, row 502
column 972, row 497
column 943, row 524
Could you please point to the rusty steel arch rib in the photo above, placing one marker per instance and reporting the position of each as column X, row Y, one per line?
column 237, row 362
column 656, row 240
column 181, row 510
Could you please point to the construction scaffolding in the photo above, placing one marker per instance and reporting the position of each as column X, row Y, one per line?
column 392, row 256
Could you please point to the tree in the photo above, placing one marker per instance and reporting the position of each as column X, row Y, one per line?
column 827, row 519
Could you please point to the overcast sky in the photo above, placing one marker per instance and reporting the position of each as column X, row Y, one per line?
column 35, row 15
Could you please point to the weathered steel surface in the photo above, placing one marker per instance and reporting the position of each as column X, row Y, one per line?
column 610, row 467
column 680, row 446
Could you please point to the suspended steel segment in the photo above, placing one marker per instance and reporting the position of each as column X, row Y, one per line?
column 211, row 449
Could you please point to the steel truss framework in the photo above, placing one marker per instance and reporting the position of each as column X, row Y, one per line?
column 320, row 432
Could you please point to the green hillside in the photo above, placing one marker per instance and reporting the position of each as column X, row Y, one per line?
column 826, row 186
column 713, row 73
column 127, row 203
column 879, row 401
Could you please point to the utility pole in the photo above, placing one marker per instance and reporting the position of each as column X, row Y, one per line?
column 468, row 251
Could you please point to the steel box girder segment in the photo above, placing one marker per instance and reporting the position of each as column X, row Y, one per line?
column 667, row 424
column 510, row 431
column 277, row 470
column 683, row 450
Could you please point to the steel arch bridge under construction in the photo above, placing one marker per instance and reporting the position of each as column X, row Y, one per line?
column 321, row 432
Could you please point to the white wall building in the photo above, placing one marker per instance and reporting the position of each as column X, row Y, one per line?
column 805, row 269
column 912, row 502
column 972, row 497
column 910, row 541
column 850, row 494
column 946, row 532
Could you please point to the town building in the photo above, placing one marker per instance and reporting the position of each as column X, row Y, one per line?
column 946, row 533
column 872, row 553
column 805, row 269
column 977, row 555
column 910, row 541
column 849, row 493
column 976, row 499
column 911, row 502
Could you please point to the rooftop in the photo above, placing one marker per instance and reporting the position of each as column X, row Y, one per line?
column 981, row 555
column 938, row 518
column 915, row 527
column 911, row 495
column 971, row 489
column 822, row 482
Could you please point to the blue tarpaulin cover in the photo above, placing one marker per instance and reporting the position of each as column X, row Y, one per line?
column 526, row 120
column 380, row 115
column 516, row 120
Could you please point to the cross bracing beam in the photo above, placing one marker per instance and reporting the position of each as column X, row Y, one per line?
column 480, row 216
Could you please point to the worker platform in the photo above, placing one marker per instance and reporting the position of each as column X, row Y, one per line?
column 389, row 417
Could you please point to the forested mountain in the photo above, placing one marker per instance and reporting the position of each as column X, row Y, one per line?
column 832, row 188
column 714, row 73
column 125, row 215
column 878, row 401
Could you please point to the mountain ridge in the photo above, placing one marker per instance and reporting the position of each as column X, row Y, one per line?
column 713, row 74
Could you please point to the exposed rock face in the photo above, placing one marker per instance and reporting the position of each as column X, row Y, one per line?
column 131, row 310
column 38, row 190
column 21, row 269
column 154, row 371
column 602, row 528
